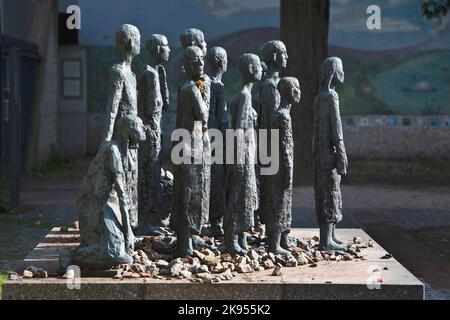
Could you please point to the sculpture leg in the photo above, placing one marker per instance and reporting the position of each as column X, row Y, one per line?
column 232, row 245
column 326, row 238
column 184, row 244
column 216, row 229
column 258, row 226
column 242, row 240
column 274, row 239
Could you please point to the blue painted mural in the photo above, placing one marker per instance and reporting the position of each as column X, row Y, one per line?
column 403, row 68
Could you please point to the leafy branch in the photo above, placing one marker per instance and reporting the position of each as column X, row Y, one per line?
column 435, row 8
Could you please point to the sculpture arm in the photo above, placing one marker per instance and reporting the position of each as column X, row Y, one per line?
column 286, row 164
column 164, row 87
column 154, row 102
column 337, row 136
column 112, row 107
column 269, row 103
column 199, row 106
column 240, row 118
column 221, row 104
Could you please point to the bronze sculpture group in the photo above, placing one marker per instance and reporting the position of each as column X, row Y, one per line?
column 119, row 195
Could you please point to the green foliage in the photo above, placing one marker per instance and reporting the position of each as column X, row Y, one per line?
column 435, row 240
column 17, row 221
column 435, row 8
column 3, row 277
column 56, row 162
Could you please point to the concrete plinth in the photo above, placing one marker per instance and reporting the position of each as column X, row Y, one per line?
column 328, row 280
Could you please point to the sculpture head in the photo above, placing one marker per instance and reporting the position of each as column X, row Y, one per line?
column 128, row 41
column 289, row 89
column 193, row 62
column 158, row 46
column 331, row 72
column 193, row 37
column 250, row 67
column 274, row 55
column 217, row 59
column 131, row 129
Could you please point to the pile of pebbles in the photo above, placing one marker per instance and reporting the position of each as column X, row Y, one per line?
column 28, row 273
column 154, row 259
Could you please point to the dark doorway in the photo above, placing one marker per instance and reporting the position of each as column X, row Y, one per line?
column 18, row 66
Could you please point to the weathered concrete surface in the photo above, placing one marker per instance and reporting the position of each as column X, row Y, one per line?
column 329, row 280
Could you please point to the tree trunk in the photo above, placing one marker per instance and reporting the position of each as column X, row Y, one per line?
column 44, row 15
column 304, row 30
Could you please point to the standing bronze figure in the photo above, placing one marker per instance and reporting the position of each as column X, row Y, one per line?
column 279, row 215
column 153, row 98
column 329, row 156
column 122, row 101
column 242, row 191
column 192, row 179
column 218, row 119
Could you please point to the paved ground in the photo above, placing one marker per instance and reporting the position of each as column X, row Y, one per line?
column 412, row 222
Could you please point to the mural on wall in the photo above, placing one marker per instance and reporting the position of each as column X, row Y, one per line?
column 403, row 68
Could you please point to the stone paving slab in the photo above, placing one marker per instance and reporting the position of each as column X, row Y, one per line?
column 329, row 280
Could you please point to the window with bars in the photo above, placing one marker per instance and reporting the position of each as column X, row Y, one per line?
column 71, row 80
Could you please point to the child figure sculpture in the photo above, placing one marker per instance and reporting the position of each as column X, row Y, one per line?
column 242, row 188
column 329, row 156
column 218, row 119
column 153, row 98
column 279, row 215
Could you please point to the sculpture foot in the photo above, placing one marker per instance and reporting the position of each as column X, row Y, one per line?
column 331, row 246
column 285, row 241
column 337, row 240
column 326, row 239
column 183, row 252
column 198, row 242
column 232, row 245
column 155, row 231
column 235, row 249
column 279, row 250
column 184, row 248
column 334, row 237
column 274, row 244
column 184, row 244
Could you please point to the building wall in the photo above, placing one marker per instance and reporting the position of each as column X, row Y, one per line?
column 16, row 14
column 35, row 21
column 72, row 126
